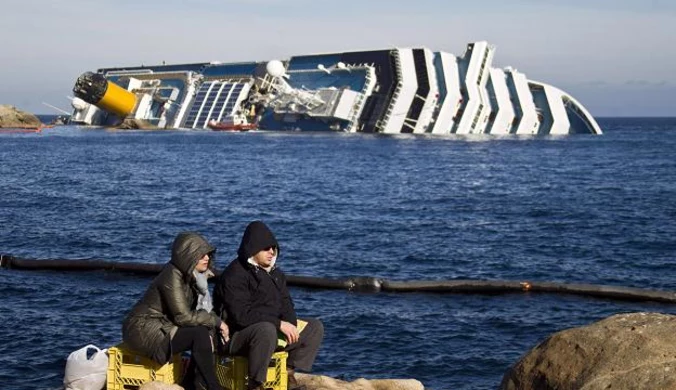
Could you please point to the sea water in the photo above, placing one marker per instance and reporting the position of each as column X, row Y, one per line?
column 571, row 209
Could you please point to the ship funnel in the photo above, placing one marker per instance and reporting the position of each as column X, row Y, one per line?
column 95, row 89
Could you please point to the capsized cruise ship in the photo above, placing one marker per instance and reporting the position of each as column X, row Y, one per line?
column 392, row 91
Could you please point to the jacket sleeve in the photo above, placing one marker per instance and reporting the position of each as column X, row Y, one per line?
column 238, row 302
column 219, row 301
column 173, row 294
column 288, row 309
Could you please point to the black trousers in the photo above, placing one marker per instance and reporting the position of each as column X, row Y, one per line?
column 201, row 372
column 258, row 342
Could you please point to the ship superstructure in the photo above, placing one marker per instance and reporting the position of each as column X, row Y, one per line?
column 393, row 91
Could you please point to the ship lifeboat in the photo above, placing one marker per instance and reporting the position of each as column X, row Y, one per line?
column 231, row 126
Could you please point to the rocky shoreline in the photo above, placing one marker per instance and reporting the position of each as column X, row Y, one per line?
column 320, row 382
column 12, row 117
column 623, row 351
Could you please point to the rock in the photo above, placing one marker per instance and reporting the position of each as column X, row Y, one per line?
column 624, row 351
column 131, row 123
column 11, row 117
column 159, row 386
column 320, row 382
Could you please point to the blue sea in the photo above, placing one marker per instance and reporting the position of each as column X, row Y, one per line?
column 571, row 209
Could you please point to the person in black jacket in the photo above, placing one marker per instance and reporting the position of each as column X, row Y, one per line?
column 166, row 321
column 252, row 297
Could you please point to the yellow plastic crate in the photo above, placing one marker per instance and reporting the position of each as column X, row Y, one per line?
column 128, row 370
column 232, row 372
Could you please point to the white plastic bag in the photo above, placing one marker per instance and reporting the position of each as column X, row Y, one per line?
column 84, row 373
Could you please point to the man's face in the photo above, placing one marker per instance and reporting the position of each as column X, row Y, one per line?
column 264, row 258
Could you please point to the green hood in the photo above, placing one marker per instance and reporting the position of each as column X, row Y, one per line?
column 187, row 249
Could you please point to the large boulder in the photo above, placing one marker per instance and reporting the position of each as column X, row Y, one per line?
column 11, row 117
column 624, row 351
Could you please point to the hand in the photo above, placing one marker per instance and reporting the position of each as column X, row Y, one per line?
column 290, row 331
column 225, row 332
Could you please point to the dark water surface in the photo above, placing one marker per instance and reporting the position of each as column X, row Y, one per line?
column 578, row 209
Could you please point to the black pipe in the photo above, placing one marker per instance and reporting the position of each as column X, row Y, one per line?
column 612, row 292
column 78, row 265
column 315, row 282
column 455, row 286
column 369, row 284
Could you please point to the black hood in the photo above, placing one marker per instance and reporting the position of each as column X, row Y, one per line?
column 257, row 237
column 187, row 249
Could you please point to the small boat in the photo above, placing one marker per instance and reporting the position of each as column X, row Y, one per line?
column 231, row 126
column 59, row 121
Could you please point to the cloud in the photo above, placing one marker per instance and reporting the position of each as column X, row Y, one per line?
column 596, row 83
column 647, row 83
column 637, row 82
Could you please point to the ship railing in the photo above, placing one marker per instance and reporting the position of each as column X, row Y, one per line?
column 128, row 72
column 410, row 123
column 477, row 115
column 397, row 91
column 390, row 107
column 369, row 85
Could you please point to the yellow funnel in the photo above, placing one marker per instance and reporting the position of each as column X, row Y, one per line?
column 117, row 100
column 95, row 89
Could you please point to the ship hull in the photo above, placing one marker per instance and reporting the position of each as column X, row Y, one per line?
column 392, row 91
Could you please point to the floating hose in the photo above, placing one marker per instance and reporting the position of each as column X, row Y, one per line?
column 12, row 262
column 369, row 284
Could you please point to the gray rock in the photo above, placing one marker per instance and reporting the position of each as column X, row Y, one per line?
column 131, row 123
column 11, row 117
column 159, row 386
column 624, row 351
column 320, row 382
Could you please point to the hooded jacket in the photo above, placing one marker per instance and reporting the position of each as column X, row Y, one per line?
column 170, row 301
column 245, row 293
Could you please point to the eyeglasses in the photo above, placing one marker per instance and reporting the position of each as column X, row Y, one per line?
column 270, row 248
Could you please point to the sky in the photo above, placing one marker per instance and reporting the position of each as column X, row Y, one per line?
column 616, row 57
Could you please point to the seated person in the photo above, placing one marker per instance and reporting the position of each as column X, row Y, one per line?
column 251, row 295
column 166, row 320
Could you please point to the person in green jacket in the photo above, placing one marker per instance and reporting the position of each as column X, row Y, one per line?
column 166, row 319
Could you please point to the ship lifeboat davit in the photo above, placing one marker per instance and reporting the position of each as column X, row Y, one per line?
column 95, row 89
